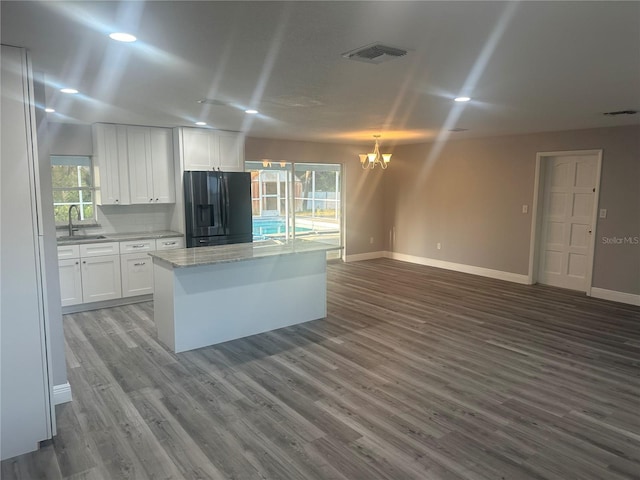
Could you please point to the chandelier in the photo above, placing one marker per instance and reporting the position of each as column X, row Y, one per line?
column 267, row 163
column 370, row 160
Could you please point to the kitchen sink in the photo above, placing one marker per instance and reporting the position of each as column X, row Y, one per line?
column 80, row 238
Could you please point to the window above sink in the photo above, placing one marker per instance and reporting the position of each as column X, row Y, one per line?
column 72, row 182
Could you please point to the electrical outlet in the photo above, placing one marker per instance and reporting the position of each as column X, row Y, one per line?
column 438, row 246
column 603, row 213
column 525, row 208
column 371, row 240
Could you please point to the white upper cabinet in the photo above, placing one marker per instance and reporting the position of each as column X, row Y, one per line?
column 203, row 149
column 133, row 164
column 140, row 168
column 151, row 170
column 231, row 154
column 164, row 187
column 110, row 163
column 200, row 149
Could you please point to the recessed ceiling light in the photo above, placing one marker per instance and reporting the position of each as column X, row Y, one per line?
column 251, row 111
column 202, row 124
column 49, row 110
column 68, row 90
column 122, row 37
column 462, row 99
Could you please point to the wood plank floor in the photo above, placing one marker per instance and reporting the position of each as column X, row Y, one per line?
column 417, row 373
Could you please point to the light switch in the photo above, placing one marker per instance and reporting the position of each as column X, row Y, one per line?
column 525, row 208
column 603, row 213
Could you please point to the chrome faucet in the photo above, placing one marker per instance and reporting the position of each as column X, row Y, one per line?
column 71, row 219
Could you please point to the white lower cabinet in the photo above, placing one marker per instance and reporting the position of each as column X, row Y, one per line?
column 137, row 274
column 91, row 279
column 91, row 275
column 95, row 272
column 101, row 278
column 70, row 281
column 169, row 243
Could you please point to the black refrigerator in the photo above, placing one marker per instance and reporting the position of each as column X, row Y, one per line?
column 217, row 208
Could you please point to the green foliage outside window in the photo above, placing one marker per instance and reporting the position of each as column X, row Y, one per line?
column 72, row 185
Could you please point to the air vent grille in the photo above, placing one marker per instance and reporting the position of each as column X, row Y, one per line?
column 375, row 53
column 213, row 101
column 621, row 112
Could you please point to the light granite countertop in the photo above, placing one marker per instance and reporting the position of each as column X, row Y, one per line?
column 116, row 237
column 238, row 252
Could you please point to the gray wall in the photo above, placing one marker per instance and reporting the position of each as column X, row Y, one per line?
column 469, row 197
column 70, row 139
column 363, row 190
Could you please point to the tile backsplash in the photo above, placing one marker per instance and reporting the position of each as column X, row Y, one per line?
column 135, row 218
column 132, row 218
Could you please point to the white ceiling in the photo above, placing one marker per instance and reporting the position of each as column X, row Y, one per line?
column 528, row 66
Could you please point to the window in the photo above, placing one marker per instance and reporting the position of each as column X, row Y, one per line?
column 72, row 185
column 296, row 200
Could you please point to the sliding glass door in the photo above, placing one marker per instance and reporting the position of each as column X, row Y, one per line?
column 297, row 200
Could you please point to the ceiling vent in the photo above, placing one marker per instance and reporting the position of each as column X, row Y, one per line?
column 375, row 53
column 621, row 112
column 213, row 101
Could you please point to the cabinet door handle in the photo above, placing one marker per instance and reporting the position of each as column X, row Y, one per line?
column 139, row 264
column 169, row 243
column 77, row 263
column 116, row 200
column 139, row 245
column 84, row 261
column 157, row 199
column 151, row 199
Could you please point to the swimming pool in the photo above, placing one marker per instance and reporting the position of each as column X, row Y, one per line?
column 272, row 227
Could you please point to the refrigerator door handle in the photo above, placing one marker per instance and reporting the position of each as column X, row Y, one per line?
column 220, row 199
column 226, row 202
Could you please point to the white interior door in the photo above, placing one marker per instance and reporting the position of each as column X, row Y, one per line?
column 568, row 220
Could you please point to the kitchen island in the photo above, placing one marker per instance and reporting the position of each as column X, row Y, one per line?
column 208, row 295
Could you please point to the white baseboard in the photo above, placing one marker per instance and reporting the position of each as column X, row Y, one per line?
column 602, row 293
column 460, row 267
column 116, row 302
column 364, row 256
column 615, row 296
column 61, row 393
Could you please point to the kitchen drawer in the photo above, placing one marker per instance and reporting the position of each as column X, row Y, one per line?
column 169, row 243
column 68, row 251
column 99, row 249
column 137, row 246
